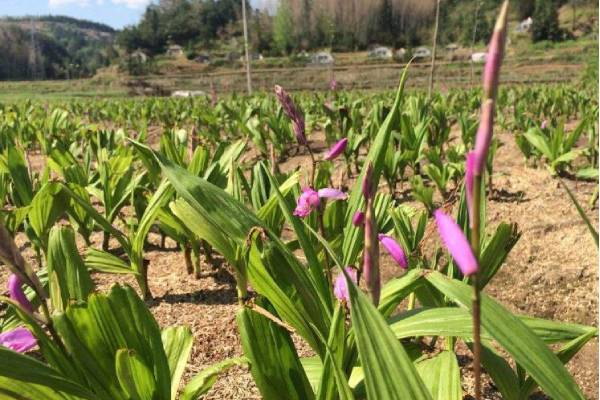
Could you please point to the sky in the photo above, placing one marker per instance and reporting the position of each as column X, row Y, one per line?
column 116, row 13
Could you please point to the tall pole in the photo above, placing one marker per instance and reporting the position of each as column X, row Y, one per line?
column 473, row 41
column 248, row 78
column 435, row 34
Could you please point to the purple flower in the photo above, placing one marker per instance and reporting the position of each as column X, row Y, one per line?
column 333, row 84
column 332, row 194
column 469, row 181
column 310, row 199
column 337, row 149
column 456, row 243
column 544, row 124
column 307, row 202
column 16, row 293
column 340, row 287
column 18, row 339
column 289, row 108
column 358, row 219
column 394, row 249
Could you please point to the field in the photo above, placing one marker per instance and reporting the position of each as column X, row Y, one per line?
column 350, row 242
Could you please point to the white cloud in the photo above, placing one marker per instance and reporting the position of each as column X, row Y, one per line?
column 60, row 3
column 132, row 3
column 85, row 3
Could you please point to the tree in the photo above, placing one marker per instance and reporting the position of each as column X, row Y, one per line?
column 282, row 28
column 545, row 21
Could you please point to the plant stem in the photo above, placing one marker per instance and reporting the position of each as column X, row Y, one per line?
column 314, row 166
column 475, row 239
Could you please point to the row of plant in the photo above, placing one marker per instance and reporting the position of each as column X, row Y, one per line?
column 208, row 177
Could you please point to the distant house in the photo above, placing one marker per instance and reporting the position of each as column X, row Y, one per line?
column 422, row 52
column 232, row 56
column 202, row 58
column 381, row 53
column 452, row 47
column 400, row 54
column 524, row 26
column 322, row 58
column 188, row 93
column 174, row 50
column 139, row 56
column 478, row 57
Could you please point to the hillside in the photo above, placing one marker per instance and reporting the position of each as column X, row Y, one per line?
column 53, row 47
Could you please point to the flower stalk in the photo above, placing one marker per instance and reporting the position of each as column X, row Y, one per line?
column 477, row 164
column 371, row 249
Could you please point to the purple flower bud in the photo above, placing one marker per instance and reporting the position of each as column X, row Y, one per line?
column 18, row 339
column 16, row 293
column 484, row 136
column 367, row 184
column 332, row 194
column 469, row 181
column 333, row 84
column 456, row 243
column 358, row 219
column 310, row 200
column 394, row 249
column 544, row 124
column 337, row 149
column 495, row 54
column 289, row 108
column 340, row 287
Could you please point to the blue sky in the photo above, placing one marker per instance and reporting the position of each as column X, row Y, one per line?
column 116, row 13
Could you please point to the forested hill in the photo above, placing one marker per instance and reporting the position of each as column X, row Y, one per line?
column 53, row 47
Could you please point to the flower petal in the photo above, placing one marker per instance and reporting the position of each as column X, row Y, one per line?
column 337, row 149
column 358, row 219
column 456, row 243
column 18, row 339
column 332, row 194
column 394, row 249
column 16, row 293
column 340, row 287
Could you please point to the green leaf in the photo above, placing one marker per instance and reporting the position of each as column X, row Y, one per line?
column 134, row 376
column 95, row 331
column 275, row 366
column 285, row 283
column 389, row 372
column 496, row 250
column 565, row 354
column 205, row 379
column 582, row 213
column 106, row 262
column 85, row 204
column 537, row 139
column 516, row 338
column 23, row 188
column 395, row 290
column 441, row 375
column 454, row 321
column 68, row 276
column 177, row 342
column 23, row 377
column 46, row 207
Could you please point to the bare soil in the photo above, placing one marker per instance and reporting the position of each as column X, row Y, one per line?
column 551, row 273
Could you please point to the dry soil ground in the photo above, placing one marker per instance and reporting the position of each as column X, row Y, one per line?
column 552, row 273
